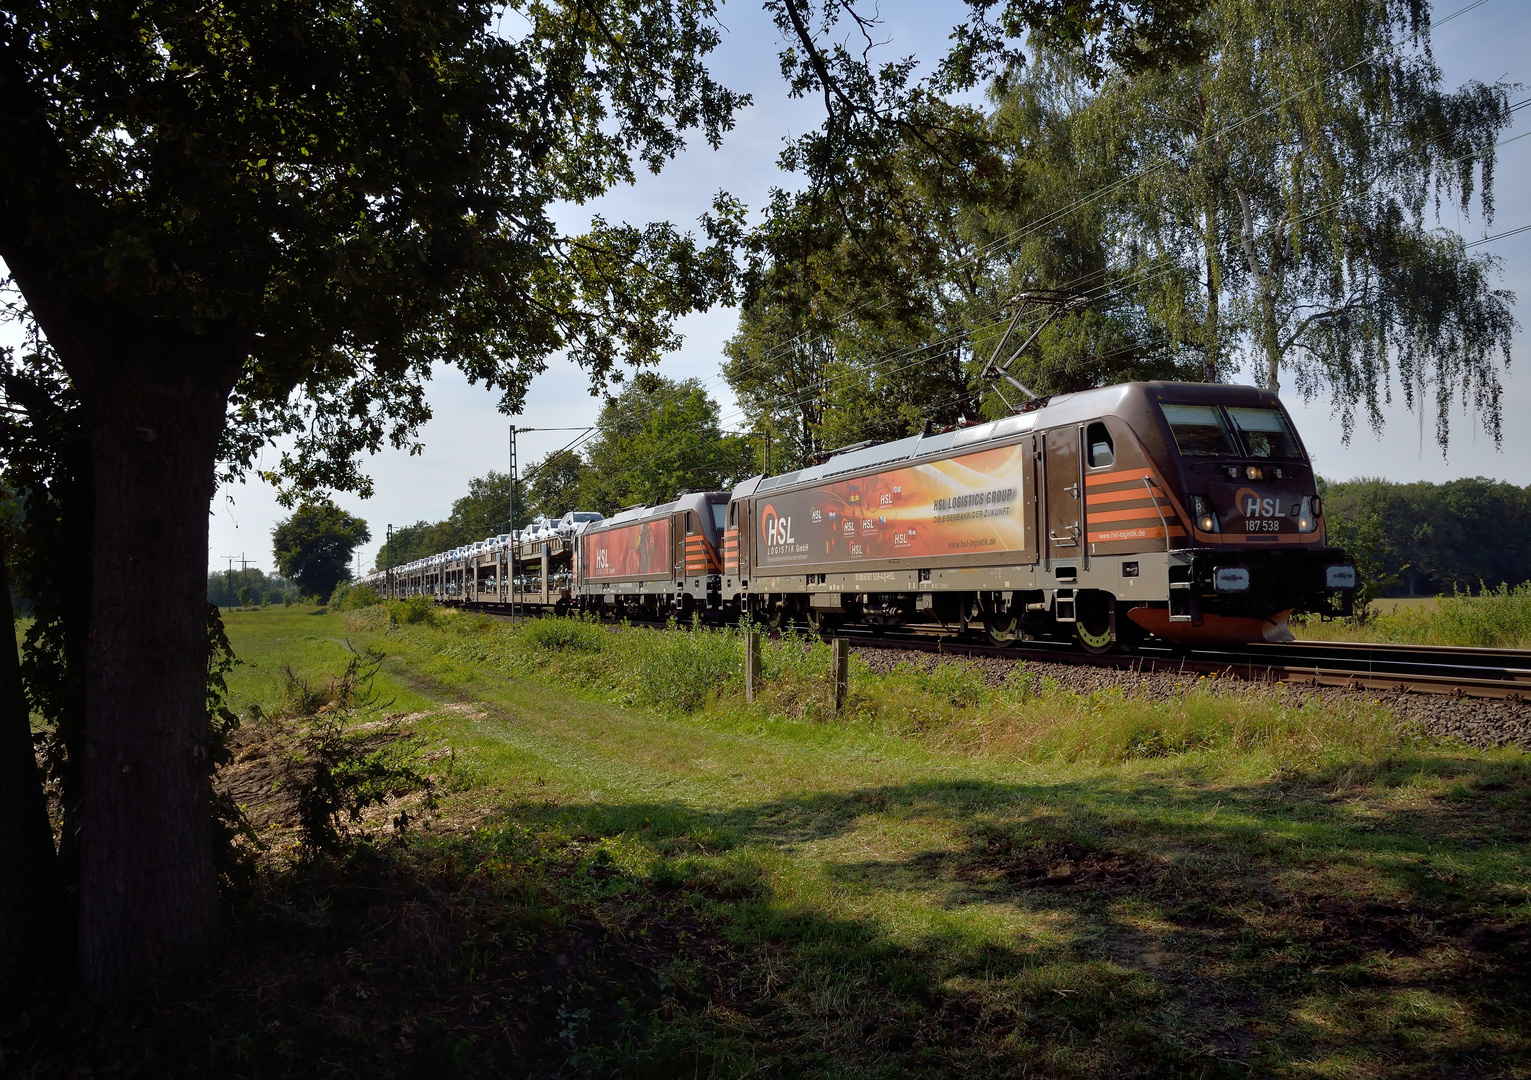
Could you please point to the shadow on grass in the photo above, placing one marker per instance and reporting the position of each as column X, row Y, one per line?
column 1170, row 928
column 1078, row 929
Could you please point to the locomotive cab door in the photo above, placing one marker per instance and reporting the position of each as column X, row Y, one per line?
column 684, row 525
column 1064, row 506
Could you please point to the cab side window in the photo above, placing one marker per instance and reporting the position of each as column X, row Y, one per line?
column 1102, row 450
column 690, row 523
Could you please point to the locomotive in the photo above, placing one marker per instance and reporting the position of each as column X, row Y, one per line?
column 1186, row 512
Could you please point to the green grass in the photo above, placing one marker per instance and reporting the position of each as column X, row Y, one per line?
column 1497, row 618
column 950, row 880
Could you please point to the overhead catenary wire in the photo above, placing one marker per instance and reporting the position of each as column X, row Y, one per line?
column 1141, row 277
column 1012, row 238
column 1015, row 236
column 1138, row 277
column 1499, row 236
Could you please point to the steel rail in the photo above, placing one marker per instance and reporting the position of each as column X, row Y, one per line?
column 1500, row 673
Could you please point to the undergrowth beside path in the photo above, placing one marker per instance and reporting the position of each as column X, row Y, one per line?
column 634, row 873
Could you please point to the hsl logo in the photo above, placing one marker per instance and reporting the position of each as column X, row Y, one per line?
column 1252, row 505
column 776, row 530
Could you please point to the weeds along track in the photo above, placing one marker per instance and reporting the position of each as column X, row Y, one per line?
column 1452, row 671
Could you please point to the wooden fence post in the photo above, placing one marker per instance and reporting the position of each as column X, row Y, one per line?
column 840, row 670
column 751, row 664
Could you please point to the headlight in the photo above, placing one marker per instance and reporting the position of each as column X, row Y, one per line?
column 1307, row 515
column 1206, row 519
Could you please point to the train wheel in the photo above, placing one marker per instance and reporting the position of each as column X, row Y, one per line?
column 1095, row 622
column 824, row 623
column 1002, row 629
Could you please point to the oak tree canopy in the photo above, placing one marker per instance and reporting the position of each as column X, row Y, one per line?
column 240, row 221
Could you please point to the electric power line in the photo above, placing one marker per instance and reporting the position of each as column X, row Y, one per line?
column 1012, row 238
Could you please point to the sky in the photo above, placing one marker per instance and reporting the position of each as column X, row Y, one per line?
column 468, row 436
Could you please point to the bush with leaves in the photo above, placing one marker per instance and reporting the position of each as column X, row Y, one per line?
column 354, row 597
column 414, row 610
column 341, row 767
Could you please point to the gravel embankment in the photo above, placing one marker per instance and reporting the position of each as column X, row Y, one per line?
column 1477, row 721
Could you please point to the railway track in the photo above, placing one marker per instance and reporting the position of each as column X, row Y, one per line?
column 1449, row 670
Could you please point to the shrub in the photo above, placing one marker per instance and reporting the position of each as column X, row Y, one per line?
column 340, row 768
column 581, row 634
column 414, row 611
column 676, row 670
column 1497, row 618
column 352, row 597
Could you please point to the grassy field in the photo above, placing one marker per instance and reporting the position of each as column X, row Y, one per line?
column 1498, row 618
column 625, row 878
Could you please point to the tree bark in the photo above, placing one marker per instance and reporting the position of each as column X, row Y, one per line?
column 30, row 897
column 1264, row 280
column 148, row 893
column 1213, row 339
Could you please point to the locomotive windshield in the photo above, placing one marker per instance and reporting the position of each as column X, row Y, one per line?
column 1265, row 433
column 719, row 515
column 1200, row 430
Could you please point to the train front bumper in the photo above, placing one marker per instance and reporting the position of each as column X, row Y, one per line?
column 1246, row 596
column 1259, row 584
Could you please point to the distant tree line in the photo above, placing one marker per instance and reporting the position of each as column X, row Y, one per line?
column 313, row 549
column 249, row 587
column 654, row 438
column 1423, row 539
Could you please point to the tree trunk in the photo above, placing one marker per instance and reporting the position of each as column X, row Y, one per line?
column 30, row 899
column 1212, row 362
column 1270, row 342
column 148, row 894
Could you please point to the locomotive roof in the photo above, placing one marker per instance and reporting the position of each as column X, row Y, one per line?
column 691, row 501
column 1059, row 409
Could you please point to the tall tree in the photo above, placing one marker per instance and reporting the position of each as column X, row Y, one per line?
column 1232, row 183
column 239, row 221
column 553, row 485
column 1278, row 198
column 778, row 361
column 882, row 282
column 485, row 510
column 313, row 547
column 657, row 438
